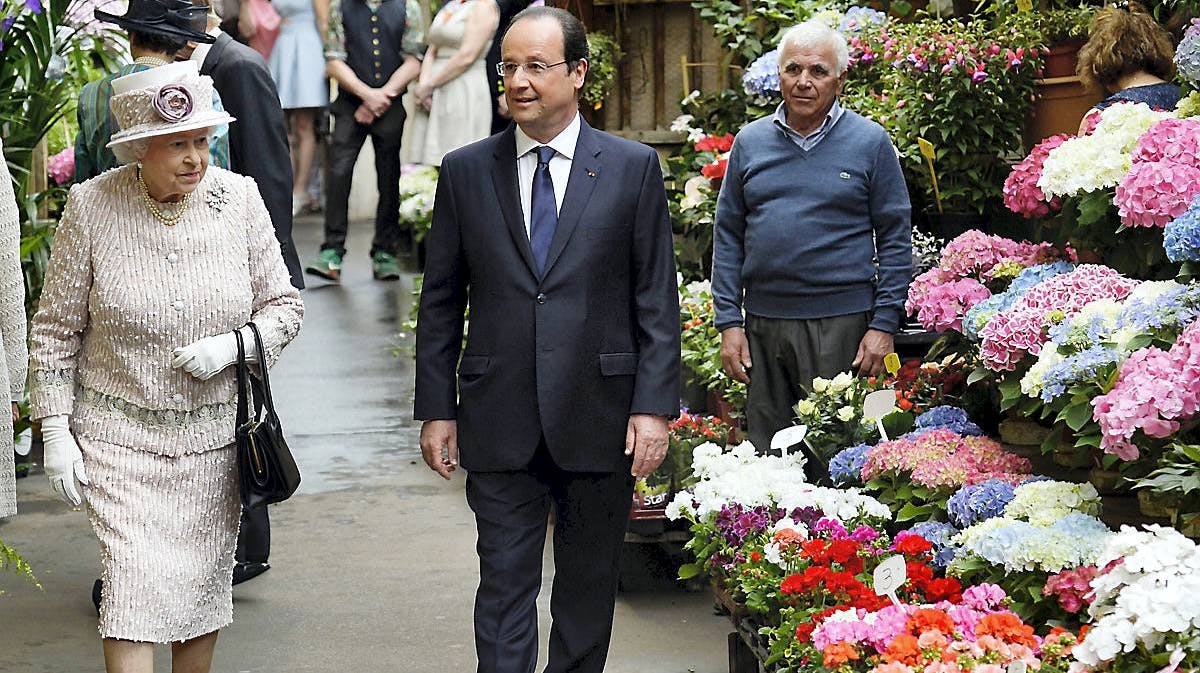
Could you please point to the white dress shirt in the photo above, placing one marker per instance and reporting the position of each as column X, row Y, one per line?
column 201, row 51
column 560, row 165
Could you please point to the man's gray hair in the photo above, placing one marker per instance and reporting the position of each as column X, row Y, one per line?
column 814, row 34
column 132, row 151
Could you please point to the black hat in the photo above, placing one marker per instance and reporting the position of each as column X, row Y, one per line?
column 171, row 18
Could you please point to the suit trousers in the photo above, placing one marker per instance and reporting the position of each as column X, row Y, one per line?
column 254, row 537
column 591, row 511
column 348, row 138
column 786, row 355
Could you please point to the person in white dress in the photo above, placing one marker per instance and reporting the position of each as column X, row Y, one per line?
column 451, row 103
column 13, row 354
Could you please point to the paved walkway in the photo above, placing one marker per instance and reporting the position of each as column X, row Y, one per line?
column 373, row 561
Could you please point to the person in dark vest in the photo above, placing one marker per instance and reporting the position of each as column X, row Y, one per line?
column 371, row 49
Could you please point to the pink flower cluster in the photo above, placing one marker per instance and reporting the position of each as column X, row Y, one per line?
column 1021, row 330
column 1021, row 193
column 1155, row 390
column 61, row 166
column 942, row 459
column 946, row 304
column 880, row 628
column 1164, row 177
column 1073, row 588
column 1155, row 192
column 942, row 295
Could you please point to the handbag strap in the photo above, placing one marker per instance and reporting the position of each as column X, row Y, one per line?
column 243, row 388
column 268, row 402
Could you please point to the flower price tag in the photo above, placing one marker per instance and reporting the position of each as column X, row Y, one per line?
column 787, row 438
column 891, row 363
column 878, row 404
column 890, row 576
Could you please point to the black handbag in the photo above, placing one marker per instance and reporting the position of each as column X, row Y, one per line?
column 267, row 473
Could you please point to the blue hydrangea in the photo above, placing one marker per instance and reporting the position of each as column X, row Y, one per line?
column 1076, row 368
column 1174, row 309
column 1028, row 277
column 858, row 18
column 761, row 79
column 1187, row 57
column 1181, row 237
column 846, row 467
column 950, row 418
column 938, row 533
column 979, row 502
column 1036, row 477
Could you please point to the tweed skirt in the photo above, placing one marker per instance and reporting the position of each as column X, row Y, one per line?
column 168, row 532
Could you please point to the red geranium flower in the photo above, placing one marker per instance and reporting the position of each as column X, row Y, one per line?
column 927, row 619
column 715, row 143
column 1006, row 627
column 842, row 551
column 715, row 170
column 914, row 545
column 944, row 589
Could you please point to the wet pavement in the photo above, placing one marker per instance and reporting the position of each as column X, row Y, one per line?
column 373, row 560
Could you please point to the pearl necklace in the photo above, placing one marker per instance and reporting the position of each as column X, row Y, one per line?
column 168, row 218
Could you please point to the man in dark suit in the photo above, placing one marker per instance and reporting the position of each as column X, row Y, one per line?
column 558, row 237
column 257, row 148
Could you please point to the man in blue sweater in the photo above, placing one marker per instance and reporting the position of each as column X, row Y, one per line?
column 812, row 240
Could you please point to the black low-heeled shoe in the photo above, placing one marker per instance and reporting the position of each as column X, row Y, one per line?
column 97, row 591
column 244, row 571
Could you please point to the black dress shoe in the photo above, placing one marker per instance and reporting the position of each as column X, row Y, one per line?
column 97, row 588
column 244, row 571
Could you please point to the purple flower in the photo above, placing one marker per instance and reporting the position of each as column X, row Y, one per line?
column 34, row 6
column 864, row 534
column 807, row 516
column 978, row 76
column 7, row 23
column 832, row 526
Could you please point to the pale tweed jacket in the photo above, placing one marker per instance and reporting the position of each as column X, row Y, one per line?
column 123, row 290
column 12, row 331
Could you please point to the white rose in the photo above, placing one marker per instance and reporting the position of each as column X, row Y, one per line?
column 846, row 414
column 820, row 385
column 806, row 408
column 841, row 381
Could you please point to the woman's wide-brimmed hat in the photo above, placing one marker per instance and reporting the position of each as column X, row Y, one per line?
column 171, row 18
column 163, row 100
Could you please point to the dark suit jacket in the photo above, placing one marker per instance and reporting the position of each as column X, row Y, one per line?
column 567, row 355
column 258, row 144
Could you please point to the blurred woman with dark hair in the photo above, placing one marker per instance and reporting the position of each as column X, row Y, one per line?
column 1129, row 56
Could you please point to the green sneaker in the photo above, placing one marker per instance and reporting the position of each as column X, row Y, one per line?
column 327, row 265
column 385, row 266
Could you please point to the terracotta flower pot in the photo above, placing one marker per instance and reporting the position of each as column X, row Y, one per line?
column 1060, row 60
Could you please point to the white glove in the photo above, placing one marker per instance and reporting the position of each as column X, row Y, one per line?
column 62, row 459
column 206, row 358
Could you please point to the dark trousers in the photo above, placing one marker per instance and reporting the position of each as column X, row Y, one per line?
column 254, row 537
column 348, row 138
column 590, row 514
column 786, row 356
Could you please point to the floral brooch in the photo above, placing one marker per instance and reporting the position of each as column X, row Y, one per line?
column 217, row 197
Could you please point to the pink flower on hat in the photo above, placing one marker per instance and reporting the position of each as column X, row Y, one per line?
column 174, row 102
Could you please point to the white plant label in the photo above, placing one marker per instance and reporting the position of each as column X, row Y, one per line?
column 788, row 437
column 878, row 404
column 890, row 576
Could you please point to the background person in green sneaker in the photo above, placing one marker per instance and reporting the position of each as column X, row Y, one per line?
column 371, row 49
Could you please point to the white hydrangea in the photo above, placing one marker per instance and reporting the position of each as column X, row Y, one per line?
column 1146, row 601
column 741, row 476
column 1100, row 160
column 1035, row 379
column 1041, row 503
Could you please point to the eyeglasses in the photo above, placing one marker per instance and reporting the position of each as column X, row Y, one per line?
column 532, row 70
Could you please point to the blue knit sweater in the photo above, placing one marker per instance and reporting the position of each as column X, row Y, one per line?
column 798, row 231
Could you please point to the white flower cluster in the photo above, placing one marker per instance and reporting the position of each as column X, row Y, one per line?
column 683, row 124
column 1100, row 160
column 1041, row 503
column 417, row 190
column 1148, row 600
column 741, row 476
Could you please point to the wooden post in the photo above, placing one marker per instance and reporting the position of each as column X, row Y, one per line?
column 741, row 657
column 660, row 64
column 696, row 52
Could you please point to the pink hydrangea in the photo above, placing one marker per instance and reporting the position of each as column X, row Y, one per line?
column 943, row 459
column 944, row 306
column 922, row 285
column 985, row 597
column 1153, row 193
column 974, row 252
column 1155, row 390
column 1169, row 140
column 1021, row 330
column 1021, row 193
column 61, row 166
column 1073, row 588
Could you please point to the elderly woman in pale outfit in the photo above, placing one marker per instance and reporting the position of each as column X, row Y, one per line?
column 12, row 332
column 451, row 102
column 154, row 265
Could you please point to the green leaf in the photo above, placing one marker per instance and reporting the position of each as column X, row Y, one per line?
column 1077, row 415
column 979, row 374
column 912, row 511
column 689, row 570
